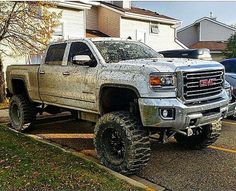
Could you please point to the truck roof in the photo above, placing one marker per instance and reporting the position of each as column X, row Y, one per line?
column 93, row 40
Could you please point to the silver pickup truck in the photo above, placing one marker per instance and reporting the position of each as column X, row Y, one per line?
column 129, row 90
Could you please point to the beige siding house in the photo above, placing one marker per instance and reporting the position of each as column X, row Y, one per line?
column 164, row 39
column 120, row 19
column 209, row 33
column 108, row 22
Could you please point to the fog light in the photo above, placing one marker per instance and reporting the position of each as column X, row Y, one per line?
column 167, row 113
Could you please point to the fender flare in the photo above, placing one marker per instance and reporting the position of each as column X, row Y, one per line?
column 25, row 85
column 112, row 85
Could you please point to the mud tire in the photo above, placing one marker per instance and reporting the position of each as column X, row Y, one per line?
column 22, row 113
column 135, row 139
column 201, row 139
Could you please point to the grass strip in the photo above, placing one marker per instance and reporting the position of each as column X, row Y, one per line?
column 26, row 164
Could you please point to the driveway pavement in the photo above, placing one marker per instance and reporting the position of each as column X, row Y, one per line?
column 179, row 169
column 170, row 166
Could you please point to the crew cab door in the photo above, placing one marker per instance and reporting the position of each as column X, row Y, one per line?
column 66, row 84
column 51, row 74
column 80, row 81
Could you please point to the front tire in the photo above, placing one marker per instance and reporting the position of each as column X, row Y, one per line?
column 202, row 137
column 122, row 144
column 22, row 113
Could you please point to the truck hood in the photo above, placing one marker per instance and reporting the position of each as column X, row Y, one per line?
column 174, row 64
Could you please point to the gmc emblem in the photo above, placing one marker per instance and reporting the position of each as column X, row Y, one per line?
column 207, row 82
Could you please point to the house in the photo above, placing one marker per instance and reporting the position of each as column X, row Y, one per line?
column 120, row 19
column 209, row 33
column 110, row 19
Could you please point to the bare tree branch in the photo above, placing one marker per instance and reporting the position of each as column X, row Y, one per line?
column 27, row 27
column 7, row 22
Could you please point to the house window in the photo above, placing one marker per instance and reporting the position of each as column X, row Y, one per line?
column 58, row 31
column 154, row 28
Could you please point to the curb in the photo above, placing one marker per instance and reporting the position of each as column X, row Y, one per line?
column 4, row 108
column 90, row 159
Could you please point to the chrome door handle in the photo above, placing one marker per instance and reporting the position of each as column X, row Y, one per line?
column 42, row 72
column 66, row 73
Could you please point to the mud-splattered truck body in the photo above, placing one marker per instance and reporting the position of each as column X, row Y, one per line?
column 123, row 84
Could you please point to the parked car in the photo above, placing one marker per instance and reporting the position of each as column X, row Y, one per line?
column 232, row 103
column 202, row 54
column 230, row 72
column 230, row 75
column 129, row 90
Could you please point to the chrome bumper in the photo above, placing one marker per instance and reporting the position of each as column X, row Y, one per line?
column 185, row 116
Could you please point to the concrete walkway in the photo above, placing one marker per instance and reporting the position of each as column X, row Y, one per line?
column 4, row 117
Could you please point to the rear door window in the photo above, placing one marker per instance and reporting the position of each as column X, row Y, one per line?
column 55, row 54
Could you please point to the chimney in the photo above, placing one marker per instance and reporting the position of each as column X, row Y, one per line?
column 211, row 16
column 126, row 4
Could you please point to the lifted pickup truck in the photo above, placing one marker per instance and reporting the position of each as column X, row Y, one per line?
column 129, row 90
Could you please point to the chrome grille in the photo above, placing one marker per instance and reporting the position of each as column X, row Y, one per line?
column 201, row 85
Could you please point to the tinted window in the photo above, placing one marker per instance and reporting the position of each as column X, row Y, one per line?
column 55, row 54
column 230, row 66
column 80, row 48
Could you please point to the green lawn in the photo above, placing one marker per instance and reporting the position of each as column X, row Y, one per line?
column 26, row 164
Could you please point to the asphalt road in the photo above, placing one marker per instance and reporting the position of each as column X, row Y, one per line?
column 170, row 166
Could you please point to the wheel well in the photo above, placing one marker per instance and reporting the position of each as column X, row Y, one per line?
column 19, row 87
column 118, row 99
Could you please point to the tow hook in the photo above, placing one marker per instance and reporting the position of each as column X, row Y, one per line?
column 164, row 135
column 188, row 133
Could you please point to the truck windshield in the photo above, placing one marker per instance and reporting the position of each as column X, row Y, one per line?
column 115, row 51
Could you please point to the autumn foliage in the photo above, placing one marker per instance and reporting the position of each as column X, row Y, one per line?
column 26, row 27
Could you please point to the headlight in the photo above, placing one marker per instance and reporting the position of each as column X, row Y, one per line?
column 158, row 80
column 229, row 91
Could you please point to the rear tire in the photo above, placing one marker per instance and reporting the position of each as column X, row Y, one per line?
column 202, row 137
column 121, row 142
column 22, row 113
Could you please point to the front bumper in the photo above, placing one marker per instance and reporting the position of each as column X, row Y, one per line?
column 185, row 115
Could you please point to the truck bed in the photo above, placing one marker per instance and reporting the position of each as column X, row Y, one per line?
column 26, row 73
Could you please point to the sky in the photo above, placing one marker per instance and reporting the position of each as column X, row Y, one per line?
column 188, row 12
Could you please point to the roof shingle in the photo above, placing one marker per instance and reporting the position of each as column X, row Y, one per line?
column 95, row 33
column 139, row 11
column 212, row 45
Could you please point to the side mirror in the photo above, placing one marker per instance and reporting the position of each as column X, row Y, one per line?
column 81, row 59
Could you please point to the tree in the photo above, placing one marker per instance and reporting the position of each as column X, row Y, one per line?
column 231, row 47
column 26, row 27
column 2, row 92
